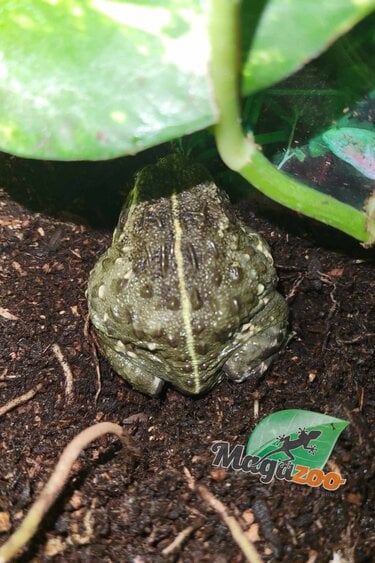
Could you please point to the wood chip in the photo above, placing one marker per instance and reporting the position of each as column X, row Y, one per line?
column 253, row 533
column 336, row 272
column 5, row 524
column 17, row 266
column 248, row 517
column 54, row 546
column 7, row 315
column 10, row 221
column 219, row 474
column 354, row 498
column 74, row 310
column 312, row 376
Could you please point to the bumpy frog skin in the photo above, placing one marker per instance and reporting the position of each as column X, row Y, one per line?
column 186, row 292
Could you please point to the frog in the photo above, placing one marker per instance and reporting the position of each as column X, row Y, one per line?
column 186, row 294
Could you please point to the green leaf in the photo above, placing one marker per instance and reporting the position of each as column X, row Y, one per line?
column 97, row 79
column 290, row 32
column 355, row 146
column 263, row 439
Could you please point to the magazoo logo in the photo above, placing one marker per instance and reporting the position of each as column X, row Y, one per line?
column 290, row 445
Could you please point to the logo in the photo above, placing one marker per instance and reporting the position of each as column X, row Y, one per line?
column 291, row 445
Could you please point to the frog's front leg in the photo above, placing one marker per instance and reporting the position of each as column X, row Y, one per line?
column 258, row 343
column 133, row 365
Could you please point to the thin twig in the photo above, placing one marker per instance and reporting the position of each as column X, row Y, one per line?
column 334, row 306
column 179, row 540
column 20, row 400
column 98, row 373
column 66, row 369
column 246, row 546
column 295, row 286
column 256, row 405
column 356, row 339
column 55, row 484
column 86, row 326
column 362, row 399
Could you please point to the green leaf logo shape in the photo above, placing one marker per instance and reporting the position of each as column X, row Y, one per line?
column 312, row 450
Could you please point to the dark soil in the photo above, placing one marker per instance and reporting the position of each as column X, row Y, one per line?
column 115, row 511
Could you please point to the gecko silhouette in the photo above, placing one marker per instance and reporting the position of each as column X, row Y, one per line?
column 287, row 444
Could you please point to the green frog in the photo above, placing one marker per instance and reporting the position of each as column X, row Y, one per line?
column 186, row 292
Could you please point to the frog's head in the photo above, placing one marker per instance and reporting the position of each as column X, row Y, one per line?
column 174, row 173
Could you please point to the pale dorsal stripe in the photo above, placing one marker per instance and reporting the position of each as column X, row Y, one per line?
column 185, row 301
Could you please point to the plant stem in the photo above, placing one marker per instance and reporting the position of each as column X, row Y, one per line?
column 301, row 198
column 240, row 153
column 234, row 148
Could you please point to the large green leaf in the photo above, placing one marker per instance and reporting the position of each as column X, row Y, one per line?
column 94, row 79
column 291, row 32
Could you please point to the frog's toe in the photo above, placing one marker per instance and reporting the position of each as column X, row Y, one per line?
column 238, row 372
column 133, row 366
column 259, row 342
column 252, row 358
column 138, row 376
column 145, row 383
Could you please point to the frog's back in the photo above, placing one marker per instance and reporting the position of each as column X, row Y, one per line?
column 181, row 279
